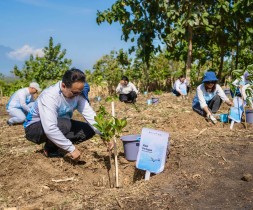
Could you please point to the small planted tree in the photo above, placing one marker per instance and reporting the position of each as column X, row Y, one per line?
column 110, row 128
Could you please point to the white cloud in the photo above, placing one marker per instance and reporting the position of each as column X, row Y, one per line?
column 24, row 52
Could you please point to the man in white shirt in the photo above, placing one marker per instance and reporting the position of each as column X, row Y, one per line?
column 49, row 119
column 20, row 102
column 127, row 91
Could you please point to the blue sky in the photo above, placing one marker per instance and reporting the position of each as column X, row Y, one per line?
column 26, row 26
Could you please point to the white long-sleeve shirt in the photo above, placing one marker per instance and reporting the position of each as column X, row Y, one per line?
column 202, row 96
column 122, row 89
column 51, row 105
column 180, row 86
column 20, row 100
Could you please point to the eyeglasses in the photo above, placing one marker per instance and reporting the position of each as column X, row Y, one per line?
column 210, row 82
column 75, row 93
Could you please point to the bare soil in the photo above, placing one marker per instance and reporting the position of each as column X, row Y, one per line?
column 208, row 166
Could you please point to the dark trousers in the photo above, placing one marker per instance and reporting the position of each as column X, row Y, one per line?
column 213, row 105
column 75, row 131
column 176, row 92
column 130, row 97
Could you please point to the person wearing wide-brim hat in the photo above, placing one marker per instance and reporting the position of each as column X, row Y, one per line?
column 209, row 97
column 20, row 103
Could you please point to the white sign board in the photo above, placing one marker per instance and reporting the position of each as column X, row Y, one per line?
column 152, row 150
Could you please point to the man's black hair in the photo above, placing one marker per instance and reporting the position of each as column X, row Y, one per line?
column 181, row 76
column 73, row 75
column 125, row 78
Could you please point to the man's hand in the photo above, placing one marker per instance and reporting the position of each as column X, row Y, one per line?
column 75, row 155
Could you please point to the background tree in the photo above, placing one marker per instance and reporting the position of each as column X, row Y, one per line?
column 110, row 68
column 141, row 22
column 47, row 69
column 188, row 28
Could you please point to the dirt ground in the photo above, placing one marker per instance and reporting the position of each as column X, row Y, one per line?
column 208, row 166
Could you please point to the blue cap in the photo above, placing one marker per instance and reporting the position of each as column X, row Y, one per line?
column 209, row 76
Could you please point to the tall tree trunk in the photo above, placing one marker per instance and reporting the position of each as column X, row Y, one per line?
column 189, row 54
column 237, row 53
column 237, row 45
column 221, row 62
column 146, row 70
column 198, row 73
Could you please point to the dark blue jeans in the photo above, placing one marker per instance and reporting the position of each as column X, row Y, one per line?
column 176, row 92
column 213, row 105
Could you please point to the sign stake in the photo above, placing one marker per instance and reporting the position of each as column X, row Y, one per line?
column 147, row 175
column 115, row 152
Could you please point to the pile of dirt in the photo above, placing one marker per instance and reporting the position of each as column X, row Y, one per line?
column 208, row 166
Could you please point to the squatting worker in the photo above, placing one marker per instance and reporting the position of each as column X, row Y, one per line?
column 180, row 86
column 20, row 103
column 127, row 91
column 49, row 119
column 209, row 97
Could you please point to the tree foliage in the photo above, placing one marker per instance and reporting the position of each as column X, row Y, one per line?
column 47, row 69
column 192, row 31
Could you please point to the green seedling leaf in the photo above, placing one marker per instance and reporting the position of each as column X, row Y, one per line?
column 108, row 125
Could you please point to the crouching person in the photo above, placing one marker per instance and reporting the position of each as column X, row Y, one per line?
column 49, row 119
column 20, row 103
column 127, row 91
column 209, row 97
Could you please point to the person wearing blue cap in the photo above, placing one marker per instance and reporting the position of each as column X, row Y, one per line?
column 209, row 97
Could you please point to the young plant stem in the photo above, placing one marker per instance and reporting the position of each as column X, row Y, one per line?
column 110, row 172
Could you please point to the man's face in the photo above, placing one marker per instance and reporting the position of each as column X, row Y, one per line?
column 33, row 90
column 182, row 80
column 75, row 90
column 123, row 82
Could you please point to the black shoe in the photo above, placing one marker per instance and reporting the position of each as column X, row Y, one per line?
column 52, row 152
column 10, row 124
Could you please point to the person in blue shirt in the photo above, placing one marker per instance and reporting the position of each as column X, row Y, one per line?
column 50, row 117
column 209, row 97
column 20, row 103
